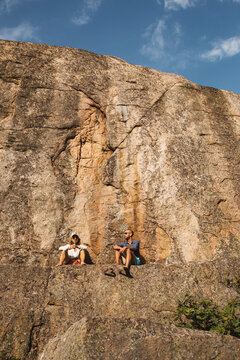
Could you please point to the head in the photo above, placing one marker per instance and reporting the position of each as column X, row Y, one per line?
column 75, row 239
column 128, row 234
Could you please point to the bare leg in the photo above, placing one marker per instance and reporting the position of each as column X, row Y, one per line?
column 117, row 255
column 130, row 258
column 82, row 257
column 63, row 258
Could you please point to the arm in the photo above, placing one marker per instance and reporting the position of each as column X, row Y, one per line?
column 134, row 246
column 83, row 247
column 121, row 247
column 64, row 247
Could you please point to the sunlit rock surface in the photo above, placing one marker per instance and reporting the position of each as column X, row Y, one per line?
column 89, row 143
column 73, row 313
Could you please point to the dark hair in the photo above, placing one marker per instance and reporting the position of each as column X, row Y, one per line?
column 71, row 239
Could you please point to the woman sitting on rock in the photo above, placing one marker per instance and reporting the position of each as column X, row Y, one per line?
column 73, row 253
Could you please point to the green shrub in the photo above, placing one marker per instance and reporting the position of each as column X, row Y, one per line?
column 233, row 282
column 205, row 315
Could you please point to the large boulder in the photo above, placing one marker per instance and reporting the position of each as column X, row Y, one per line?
column 92, row 144
column 46, row 313
column 105, row 339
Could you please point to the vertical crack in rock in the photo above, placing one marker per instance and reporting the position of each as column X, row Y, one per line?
column 19, row 86
column 79, row 156
column 36, row 327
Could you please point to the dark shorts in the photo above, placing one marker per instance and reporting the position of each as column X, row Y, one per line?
column 73, row 262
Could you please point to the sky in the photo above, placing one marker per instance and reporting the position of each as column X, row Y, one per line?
column 199, row 39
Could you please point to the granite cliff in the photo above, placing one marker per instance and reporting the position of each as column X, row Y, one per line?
column 92, row 144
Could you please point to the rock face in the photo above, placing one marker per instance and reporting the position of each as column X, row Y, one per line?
column 92, row 144
column 136, row 340
column 74, row 313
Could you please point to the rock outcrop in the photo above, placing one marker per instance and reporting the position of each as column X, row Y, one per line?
column 92, row 144
column 77, row 313
column 137, row 340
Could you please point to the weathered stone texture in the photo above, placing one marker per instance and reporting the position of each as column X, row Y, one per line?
column 93, row 144
column 89, row 143
column 134, row 340
column 43, row 309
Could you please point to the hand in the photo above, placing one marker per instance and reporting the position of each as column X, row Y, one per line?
column 123, row 249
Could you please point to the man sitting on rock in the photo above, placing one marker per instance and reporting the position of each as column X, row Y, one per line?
column 73, row 253
column 127, row 251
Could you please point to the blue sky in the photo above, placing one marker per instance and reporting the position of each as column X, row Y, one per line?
column 199, row 39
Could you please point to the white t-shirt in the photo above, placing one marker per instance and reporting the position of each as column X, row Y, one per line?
column 73, row 253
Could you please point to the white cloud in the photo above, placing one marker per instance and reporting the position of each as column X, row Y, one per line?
column 184, row 4
column 222, row 49
column 22, row 32
column 6, row 5
column 178, row 29
column 87, row 12
column 162, row 44
column 176, row 4
column 155, row 42
column 236, row 1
